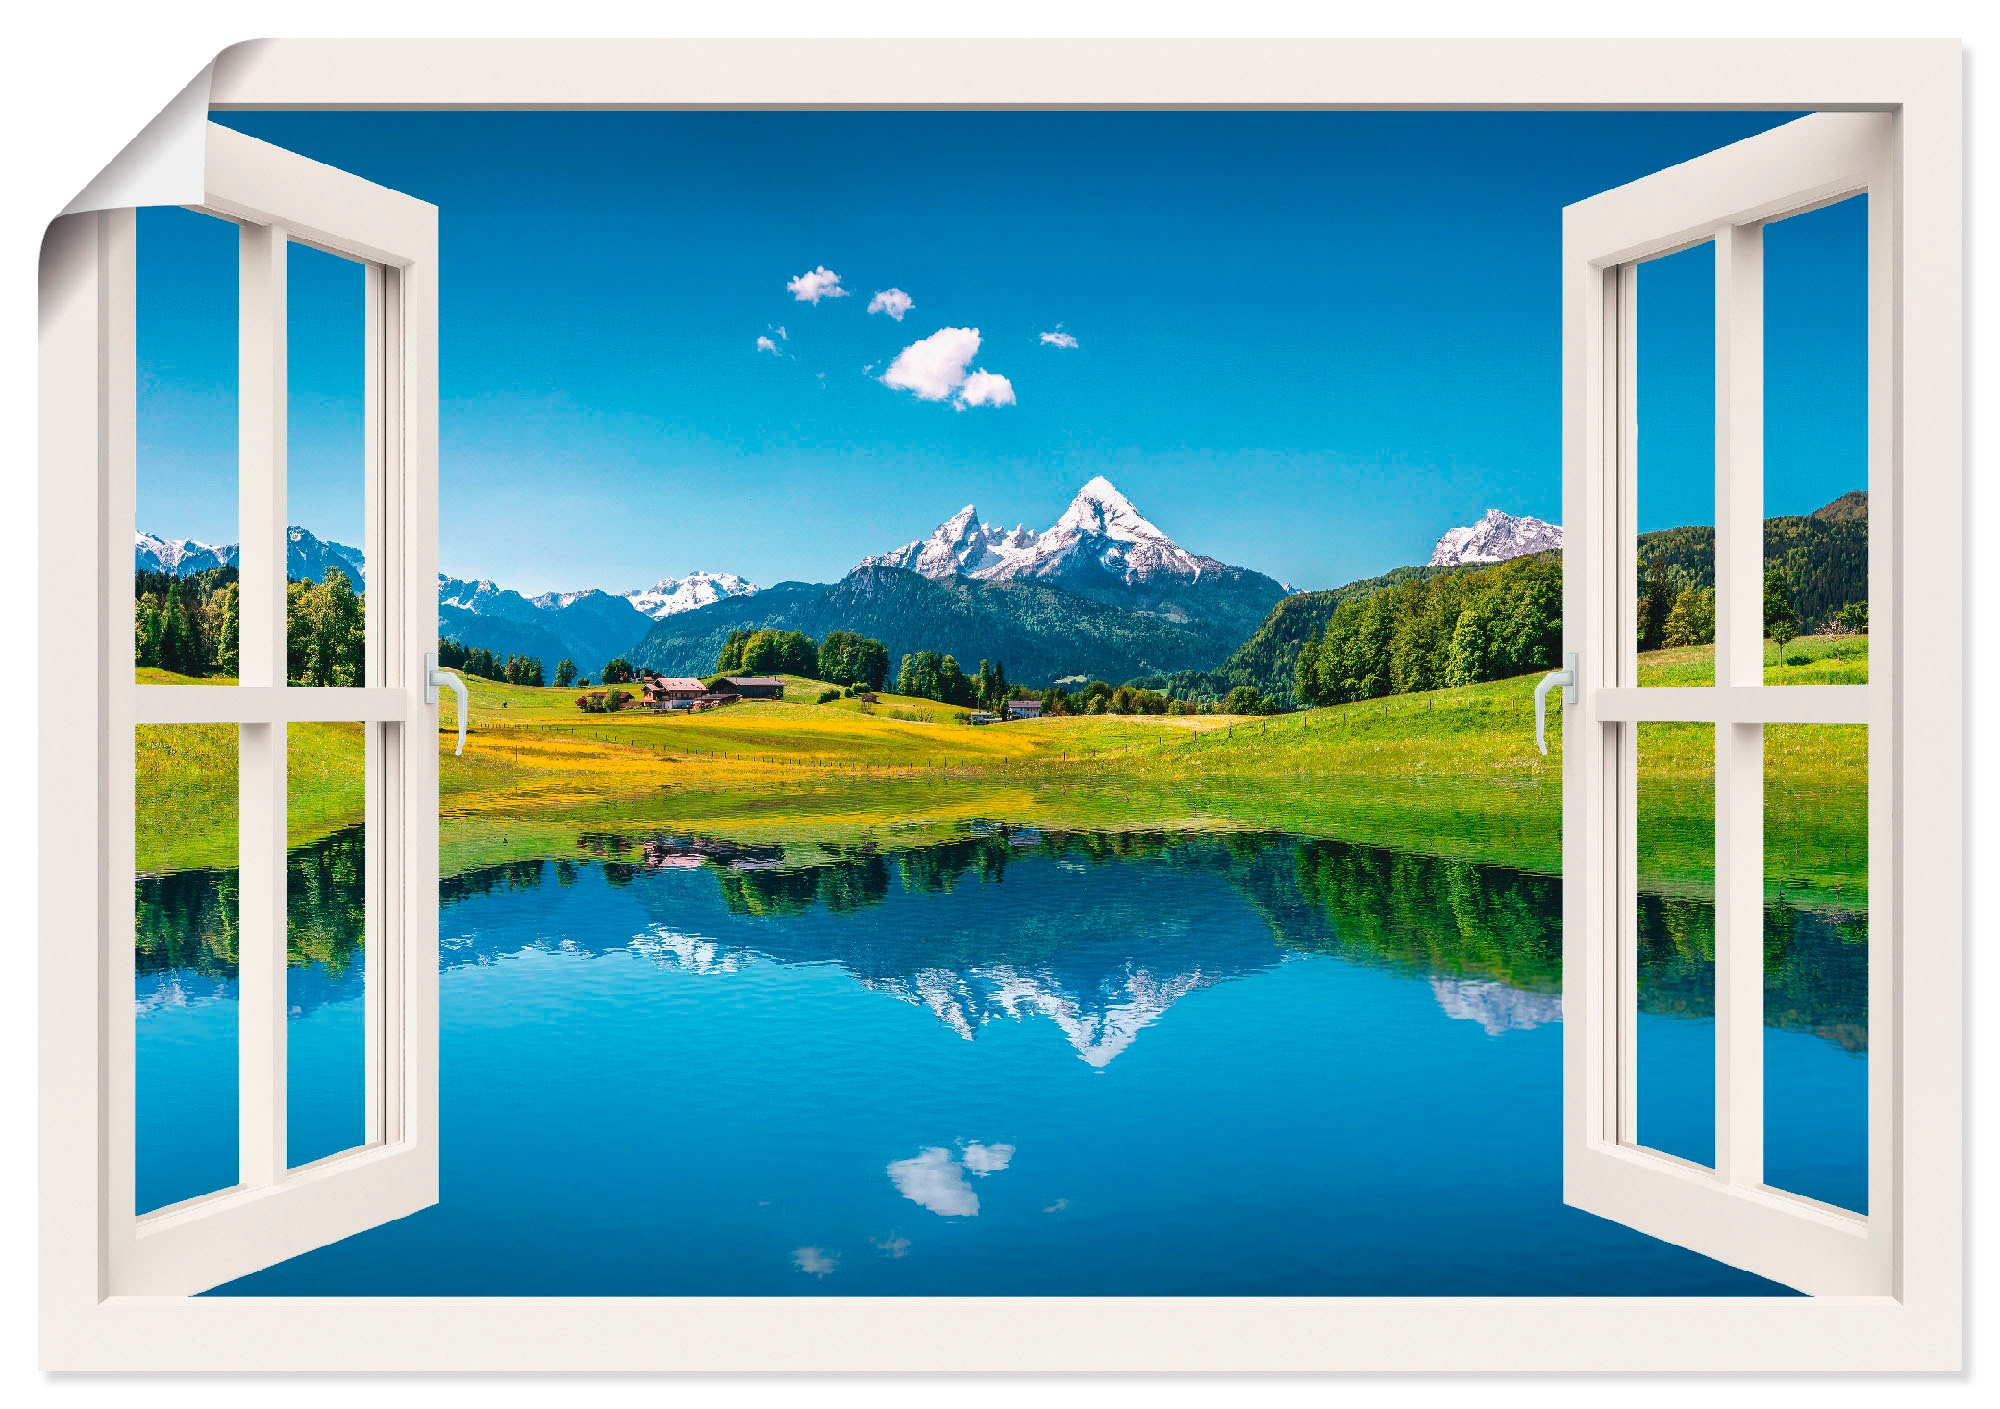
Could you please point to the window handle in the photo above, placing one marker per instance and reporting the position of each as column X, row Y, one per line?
column 1566, row 677
column 433, row 677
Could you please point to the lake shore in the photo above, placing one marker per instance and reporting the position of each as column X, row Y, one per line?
column 1450, row 773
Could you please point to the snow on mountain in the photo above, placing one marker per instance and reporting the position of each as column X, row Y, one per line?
column 1100, row 532
column 307, row 556
column 673, row 595
column 1102, row 548
column 1494, row 539
column 179, row 556
column 484, row 597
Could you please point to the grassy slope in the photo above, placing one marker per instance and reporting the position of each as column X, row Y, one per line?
column 1451, row 773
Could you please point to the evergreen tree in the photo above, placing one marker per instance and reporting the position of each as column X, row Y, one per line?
column 1655, row 603
column 1781, row 622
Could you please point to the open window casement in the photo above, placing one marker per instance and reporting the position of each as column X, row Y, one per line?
column 1727, row 1211
column 275, row 1209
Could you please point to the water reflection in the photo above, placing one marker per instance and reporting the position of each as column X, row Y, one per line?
column 185, row 948
column 1018, row 1062
column 1099, row 934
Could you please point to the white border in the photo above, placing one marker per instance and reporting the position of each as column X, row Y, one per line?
column 1921, row 1330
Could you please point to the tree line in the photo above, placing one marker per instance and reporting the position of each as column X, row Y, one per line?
column 477, row 660
column 844, row 657
column 192, row 626
column 1453, row 629
column 928, row 675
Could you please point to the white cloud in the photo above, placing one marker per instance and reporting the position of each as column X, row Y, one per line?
column 764, row 344
column 816, row 284
column 817, row 1261
column 782, row 334
column 937, row 1181
column 985, row 388
column 934, row 368
column 1059, row 338
column 893, row 302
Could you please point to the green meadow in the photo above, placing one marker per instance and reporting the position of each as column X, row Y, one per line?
column 1450, row 773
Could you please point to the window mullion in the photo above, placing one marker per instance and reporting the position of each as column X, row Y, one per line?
column 261, row 1122
column 1739, row 747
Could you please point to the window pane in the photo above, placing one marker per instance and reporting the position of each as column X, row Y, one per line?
column 1816, row 446
column 325, row 933
column 1675, row 1037
column 185, row 960
column 184, row 584
column 326, row 458
column 1816, row 961
column 1675, row 456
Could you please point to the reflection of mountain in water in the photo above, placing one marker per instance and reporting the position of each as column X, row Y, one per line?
column 1101, row 954
column 1098, row 933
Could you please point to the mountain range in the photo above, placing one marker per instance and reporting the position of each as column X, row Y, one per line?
column 1102, row 593
column 588, row 627
column 306, row 557
column 1104, row 549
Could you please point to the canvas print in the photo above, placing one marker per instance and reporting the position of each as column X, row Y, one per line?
column 1001, row 752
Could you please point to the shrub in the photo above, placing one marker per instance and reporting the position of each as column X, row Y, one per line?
column 828, row 696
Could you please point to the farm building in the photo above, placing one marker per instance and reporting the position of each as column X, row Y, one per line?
column 1024, row 709
column 663, row 689
column 754, row 687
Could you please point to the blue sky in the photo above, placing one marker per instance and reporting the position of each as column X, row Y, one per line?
column 1304, row 342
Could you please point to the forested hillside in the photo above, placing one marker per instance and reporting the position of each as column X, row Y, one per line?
column 1823, row 555
column 1043, row 633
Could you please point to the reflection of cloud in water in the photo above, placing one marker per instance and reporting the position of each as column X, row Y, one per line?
column 1495, row 1006
column 986, row 1159
column 934, row 1179
column 816, row 1261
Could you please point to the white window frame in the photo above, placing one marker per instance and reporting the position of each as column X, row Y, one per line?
column 1916, row 1324
column 274, row 1211
column 1726, row 197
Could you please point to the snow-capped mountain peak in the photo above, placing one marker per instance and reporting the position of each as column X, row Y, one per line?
column 1494, row 539
column 1101, row 510
column 307, row 556
column 672, row 595
column 179, row 556
column 1100, row 535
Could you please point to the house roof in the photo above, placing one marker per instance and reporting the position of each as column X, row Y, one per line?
column 677, row 682
column 752, row 680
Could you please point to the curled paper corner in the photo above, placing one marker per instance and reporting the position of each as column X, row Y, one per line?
column 166, row 164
